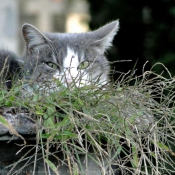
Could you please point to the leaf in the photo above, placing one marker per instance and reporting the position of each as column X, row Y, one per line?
column 5, row 123
column 135, row 161
column 68, row 133
column 52, row 166
column 12, row 98
column 62, row 135
column 75, row 169
column 8, row 103
column 80, row 101
column 153, row 154
column 162, row 146
column 119, row 149
column 39, row 113
column 64, row 122
column 50, row 110
column 49, row 122
column 45, row 136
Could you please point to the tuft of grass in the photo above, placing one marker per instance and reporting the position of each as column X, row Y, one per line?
column 130, row 127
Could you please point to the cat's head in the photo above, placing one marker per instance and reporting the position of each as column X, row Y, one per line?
column 75, row 59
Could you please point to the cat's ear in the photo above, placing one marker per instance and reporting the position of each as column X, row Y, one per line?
column 104, row 36
column 33, row 37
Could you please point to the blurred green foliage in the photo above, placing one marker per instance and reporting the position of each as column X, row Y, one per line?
column 147, row 32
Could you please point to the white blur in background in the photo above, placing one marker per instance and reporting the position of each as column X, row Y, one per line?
column 47, row 15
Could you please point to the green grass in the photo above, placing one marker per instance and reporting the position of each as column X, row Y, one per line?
column 82, row 120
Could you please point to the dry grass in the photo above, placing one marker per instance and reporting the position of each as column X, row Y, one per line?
column 130, row 127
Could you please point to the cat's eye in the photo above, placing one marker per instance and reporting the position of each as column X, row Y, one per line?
column 83, row 65
column 52, row 65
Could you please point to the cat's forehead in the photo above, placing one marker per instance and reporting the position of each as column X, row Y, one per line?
column 71, row 40
column 71, row 59
column 70, row 47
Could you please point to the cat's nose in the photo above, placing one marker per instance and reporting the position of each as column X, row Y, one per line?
column 68, row 80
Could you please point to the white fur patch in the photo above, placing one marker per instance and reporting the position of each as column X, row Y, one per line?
column 70, row 64
column 70, row 74
column 73, row 76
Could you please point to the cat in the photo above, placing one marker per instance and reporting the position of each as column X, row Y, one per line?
column 75, row 59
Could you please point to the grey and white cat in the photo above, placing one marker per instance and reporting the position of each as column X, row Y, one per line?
column 74, row 59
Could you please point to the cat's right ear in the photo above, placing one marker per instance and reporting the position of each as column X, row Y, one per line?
column 34, row 39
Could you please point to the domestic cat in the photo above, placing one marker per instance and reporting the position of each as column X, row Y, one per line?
column 76, row 59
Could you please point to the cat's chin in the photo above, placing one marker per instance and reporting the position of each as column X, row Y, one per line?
column 47, row 88
column 30, row 89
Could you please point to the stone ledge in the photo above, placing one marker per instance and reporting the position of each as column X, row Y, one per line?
column 22, row 122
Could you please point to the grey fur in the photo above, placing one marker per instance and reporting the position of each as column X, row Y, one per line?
column 52, row 47
column 10, row 67
column 42, row 49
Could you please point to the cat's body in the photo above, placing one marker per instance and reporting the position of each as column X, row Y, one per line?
column 10, row 67
column 73, row 59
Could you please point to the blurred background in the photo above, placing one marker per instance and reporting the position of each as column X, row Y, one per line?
column 147, row 28
column 46, row 15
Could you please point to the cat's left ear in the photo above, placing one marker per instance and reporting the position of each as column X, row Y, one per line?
column 104, row 36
